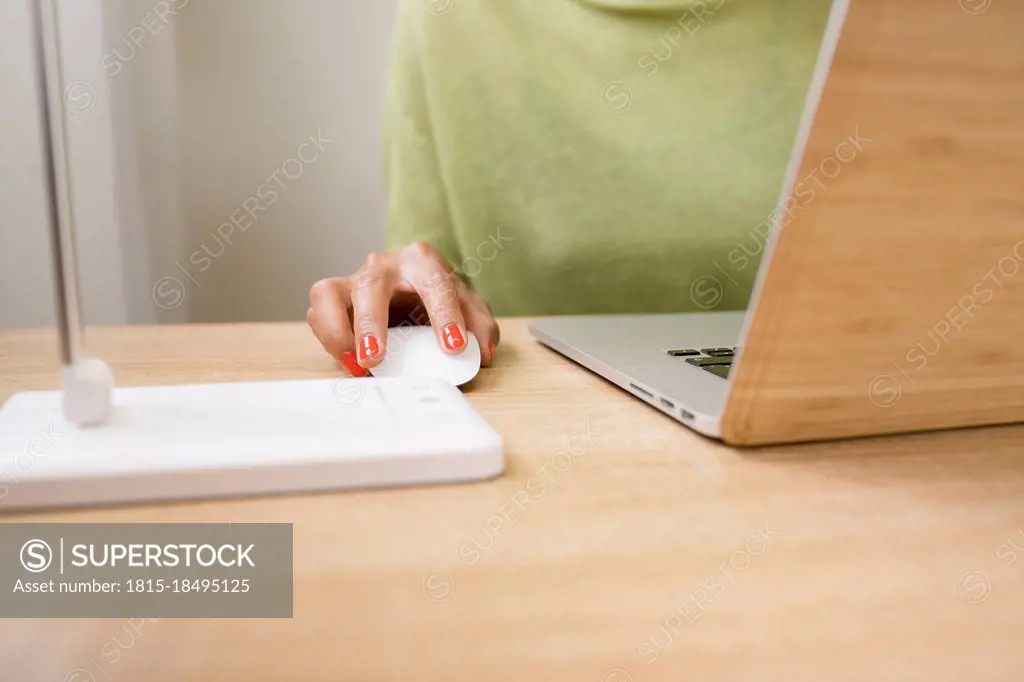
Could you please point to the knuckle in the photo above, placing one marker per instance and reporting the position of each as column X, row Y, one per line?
column 334, row 341
column 478, row 303
column 365, row 321
column 441, row 296
column 320, row 290
column 421, row 249
column 375, row 260
column 442, row 281
column 367, row 278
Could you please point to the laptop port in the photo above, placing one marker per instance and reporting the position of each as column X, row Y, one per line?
column 687, row 415
column 667, row 404
column 642, row 391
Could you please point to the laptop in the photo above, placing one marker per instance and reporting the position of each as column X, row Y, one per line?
column 892, row 302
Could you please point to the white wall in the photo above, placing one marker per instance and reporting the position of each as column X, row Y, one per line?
column 26, row 287
column 257, row 78
column 205, row 106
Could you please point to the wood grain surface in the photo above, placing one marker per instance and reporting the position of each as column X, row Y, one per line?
column 651, row 554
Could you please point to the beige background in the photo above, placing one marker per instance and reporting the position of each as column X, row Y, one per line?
column 203, row 112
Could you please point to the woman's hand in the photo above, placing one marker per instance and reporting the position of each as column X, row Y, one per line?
column 350, row 315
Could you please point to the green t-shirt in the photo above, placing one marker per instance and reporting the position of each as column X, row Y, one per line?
column 596, row 156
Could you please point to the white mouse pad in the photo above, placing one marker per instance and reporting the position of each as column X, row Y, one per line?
column 414, row 352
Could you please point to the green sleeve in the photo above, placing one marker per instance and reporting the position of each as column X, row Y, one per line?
column 417, row 200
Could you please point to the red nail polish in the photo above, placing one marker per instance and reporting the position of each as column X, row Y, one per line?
column 453, row 339
column 349, row 360
column 490, row 347
column 368, row 347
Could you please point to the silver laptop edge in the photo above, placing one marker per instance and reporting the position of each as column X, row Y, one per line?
column 631, row 351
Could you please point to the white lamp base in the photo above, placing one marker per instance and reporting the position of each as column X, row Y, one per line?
column 88, row 388
column 213, row 440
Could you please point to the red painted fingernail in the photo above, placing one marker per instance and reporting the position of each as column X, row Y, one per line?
column 490, row 347
column 453, row 339
column 349, row 360
column 368, row 347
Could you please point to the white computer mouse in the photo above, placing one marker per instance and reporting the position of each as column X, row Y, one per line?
column 413, row 352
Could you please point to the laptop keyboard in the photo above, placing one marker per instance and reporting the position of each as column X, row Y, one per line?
column 718, row 361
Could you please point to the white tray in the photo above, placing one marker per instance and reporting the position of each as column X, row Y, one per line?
column 212, row 440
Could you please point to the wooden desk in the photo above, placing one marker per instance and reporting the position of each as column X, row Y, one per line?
column 652, row 555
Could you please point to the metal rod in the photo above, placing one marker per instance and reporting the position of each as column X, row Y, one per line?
column 58, row 185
